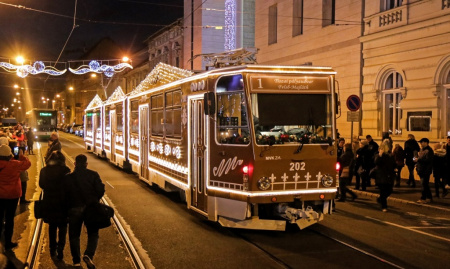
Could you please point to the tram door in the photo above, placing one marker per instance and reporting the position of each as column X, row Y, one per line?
column 198, row 154
column 113, row 135
column 143, row 147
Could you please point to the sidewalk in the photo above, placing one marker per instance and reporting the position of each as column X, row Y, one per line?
column 407, row 195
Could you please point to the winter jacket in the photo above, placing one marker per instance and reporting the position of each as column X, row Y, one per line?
column 385, row 169
column 424, row 165
column 10, row 185
column 399, row 156
column 439, row 163
column 410, row 147
column 54, row 146
column 83, row 187
column 51, row 180
column 347, row 160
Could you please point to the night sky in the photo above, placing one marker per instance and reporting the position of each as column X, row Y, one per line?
column 40, row 29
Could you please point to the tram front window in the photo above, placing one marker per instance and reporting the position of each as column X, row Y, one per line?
column 232, row 123
column 292, row 118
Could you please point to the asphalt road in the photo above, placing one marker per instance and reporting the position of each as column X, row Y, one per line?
column 357, row 235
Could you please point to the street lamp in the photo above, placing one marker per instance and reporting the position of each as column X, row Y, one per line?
column 20, row 59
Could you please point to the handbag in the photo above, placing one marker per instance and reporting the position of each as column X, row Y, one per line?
column 373, row 172
column 98, row 215
column 38, row 207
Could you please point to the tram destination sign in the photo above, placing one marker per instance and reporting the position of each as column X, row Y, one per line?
column 310, row 84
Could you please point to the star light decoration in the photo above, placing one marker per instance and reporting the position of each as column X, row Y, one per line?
column 39, row 67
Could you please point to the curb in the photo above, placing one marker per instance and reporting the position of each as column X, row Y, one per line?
column 398, row 200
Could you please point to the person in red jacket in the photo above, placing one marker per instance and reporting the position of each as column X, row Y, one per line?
column 10, row 189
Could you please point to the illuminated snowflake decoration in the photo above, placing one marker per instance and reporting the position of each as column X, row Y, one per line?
column 96, row 67
column 37, row 68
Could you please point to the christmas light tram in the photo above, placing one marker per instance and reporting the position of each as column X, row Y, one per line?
column 93, row 128
column 248, row 146
column 42, row 121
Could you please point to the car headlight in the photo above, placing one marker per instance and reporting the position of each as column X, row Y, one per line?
column 263, row 183
column 327, row 181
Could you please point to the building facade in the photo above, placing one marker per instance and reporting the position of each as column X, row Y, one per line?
column 216, row 26
column 393, row 54
column 165, row 46
column 406, row 51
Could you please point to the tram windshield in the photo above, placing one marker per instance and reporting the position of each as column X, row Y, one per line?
column 292, row 118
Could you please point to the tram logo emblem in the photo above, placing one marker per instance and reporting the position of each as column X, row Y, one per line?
column 226, row 165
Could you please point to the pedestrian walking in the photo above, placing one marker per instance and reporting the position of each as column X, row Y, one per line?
column 373, row 151
column 411, row 150
column 424, row 168
column 399, row 156
column 51, row 180
column 447, row 164
column 361, row 171
column 82, row 187
column 347, row 163
column 30, row 140
column 387, row 135
column 340, row 147
column 53, row 145
column 384, row 174
column 439, row 169
column 24, row 182
column 10, row 190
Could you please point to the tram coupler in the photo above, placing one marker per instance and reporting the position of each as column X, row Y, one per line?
column 302, row 217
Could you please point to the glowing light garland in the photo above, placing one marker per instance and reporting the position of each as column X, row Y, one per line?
column 230, row 24
column 37, row 68
column 96, row 67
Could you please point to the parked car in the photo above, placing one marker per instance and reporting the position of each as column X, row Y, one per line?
column 73, row 128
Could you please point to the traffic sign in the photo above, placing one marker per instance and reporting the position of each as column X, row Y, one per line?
column 353, row 103
column 353, row 116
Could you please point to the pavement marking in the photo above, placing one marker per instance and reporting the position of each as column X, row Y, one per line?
column 414, row 227
column 410, row 229
column 109, row 184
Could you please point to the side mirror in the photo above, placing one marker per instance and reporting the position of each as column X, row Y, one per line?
column 209, row 103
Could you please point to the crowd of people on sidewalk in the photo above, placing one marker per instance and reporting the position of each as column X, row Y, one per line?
column 65, row 194
column 366, row 160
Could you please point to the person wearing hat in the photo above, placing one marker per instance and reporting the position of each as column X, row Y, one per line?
column 10, row 190
column 424, row 169
column 53, row 145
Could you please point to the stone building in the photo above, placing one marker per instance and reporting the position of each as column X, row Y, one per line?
column 165, row 46
column 393, row 54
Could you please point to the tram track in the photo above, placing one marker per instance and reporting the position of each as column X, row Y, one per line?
column 285, row 265
column 35, row 246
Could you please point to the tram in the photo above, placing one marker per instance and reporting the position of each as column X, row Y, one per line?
column 42, row 121
column 249, row 146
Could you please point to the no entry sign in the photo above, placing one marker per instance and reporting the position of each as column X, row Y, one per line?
column 353, row 103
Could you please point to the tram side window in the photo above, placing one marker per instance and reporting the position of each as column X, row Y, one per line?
column 232, row 122
column 119, row 118
column 89, row 121
column 157, row 115
column 173, row 114
column 134, row 121
column 107, row 122
column 97, row 119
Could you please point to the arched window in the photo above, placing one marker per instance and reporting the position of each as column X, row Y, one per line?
column 392, row 98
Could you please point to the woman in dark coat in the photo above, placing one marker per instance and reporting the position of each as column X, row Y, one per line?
column 399, row 156
column 346, row 160
column 385, row 174
column 51, row 180
column 411, row 150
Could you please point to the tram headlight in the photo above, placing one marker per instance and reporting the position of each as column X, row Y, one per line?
column 264, row 183
column 327, row 181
